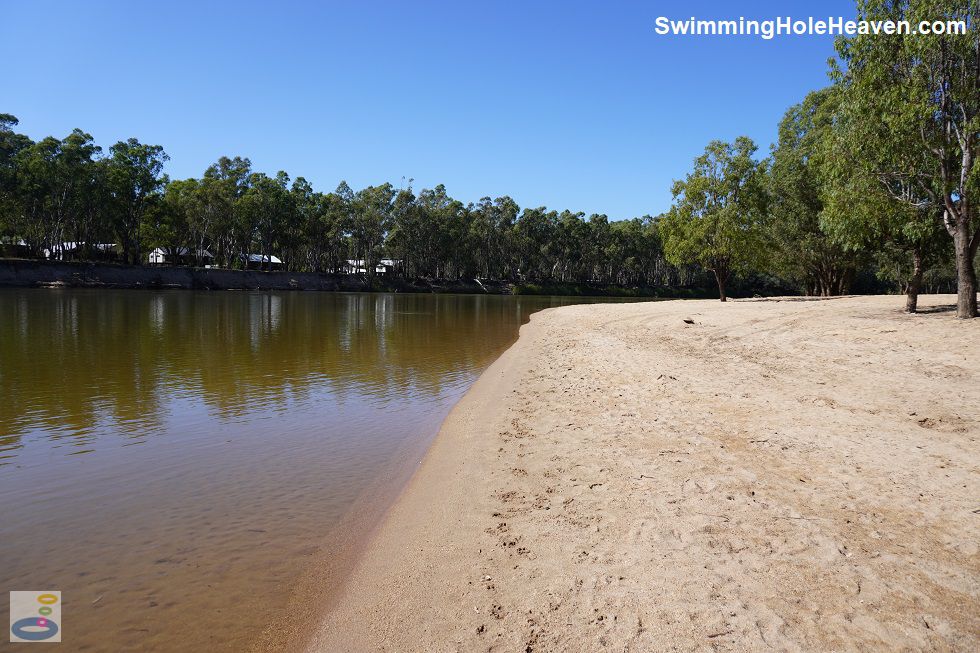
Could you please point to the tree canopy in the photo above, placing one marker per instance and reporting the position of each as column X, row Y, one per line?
column 59, row 191
column 718, row 211
column 912, row 105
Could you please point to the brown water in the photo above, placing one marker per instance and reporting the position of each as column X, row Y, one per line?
column 175, row 462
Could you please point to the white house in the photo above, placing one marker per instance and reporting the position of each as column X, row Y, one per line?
column 358, row 266
column 259, row 261
column 179, row 256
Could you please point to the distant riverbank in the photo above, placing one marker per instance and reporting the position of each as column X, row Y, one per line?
column 40, row 274
column 787, row 475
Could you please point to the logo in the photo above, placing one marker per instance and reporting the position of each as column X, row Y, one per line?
column 35, row 616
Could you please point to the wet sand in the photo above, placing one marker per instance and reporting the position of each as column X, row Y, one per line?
column 787, row 475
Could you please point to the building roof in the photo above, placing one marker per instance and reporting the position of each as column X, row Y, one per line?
column 264, row 258
column 387, row 262
column 61, row 248
column 181, row 251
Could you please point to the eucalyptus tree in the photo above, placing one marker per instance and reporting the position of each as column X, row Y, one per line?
column 491, row 225
column 281, row 232
column 922, row 89
column 444, row 227
column 634, row 254
column 134, row 177
column 334, row 214
column 573, row 249
column 221, row 187
column 534, row 243
column 169, row 225
column 716, row 217
column 621, row 247
column 426, row 219
column 94, row 213
column 63, row 189
column 11, row 143
column 323, row 220
column 799, row 179
column 455, row 218
column 264, row 218
column 405, row 237
column 371, row 213
column 888, row 217
column 601, row 236
column 304, row 239
column 55, row 178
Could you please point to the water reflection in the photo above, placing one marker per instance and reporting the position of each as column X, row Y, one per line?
column 76, row 363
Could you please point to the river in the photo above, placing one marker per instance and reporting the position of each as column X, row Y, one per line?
column 195, row 469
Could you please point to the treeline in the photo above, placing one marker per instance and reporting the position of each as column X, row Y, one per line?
column 879, row 169
column 69, row 190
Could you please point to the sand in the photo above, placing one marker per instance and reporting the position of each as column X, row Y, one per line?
column 778, row 475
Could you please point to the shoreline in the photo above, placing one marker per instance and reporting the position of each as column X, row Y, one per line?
column 321, row 586
column 797, row 475
column 419, row 493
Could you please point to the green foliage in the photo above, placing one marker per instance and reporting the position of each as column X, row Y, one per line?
column 371, row 210
column 11, row 143
column 912, row 125
column 799, row 180
column 60, row 188
column 134, row 179
column 718, row 211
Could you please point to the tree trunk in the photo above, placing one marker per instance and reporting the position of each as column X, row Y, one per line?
column 966, row 276
column 915, row 283
column 721, row 278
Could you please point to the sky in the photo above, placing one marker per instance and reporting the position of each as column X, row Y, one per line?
column 569, row 105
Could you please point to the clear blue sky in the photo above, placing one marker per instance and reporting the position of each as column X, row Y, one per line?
column 575, row 105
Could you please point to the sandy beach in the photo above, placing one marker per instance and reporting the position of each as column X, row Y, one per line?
column 691, row 475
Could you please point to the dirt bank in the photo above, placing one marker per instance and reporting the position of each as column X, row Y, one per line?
column 25, row 273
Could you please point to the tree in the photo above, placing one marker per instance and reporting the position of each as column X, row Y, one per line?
column 573, row 249
column 923, row 88
column 222, row 185
column 881, row 216
column 371, row 211
column 444, row 224
column 799, row 179
column 715, row 219
column 303, row 238
column 11, row 143
column 492, row 221
column 633, row 254
column 264, row 216
column 334, row 214
column 534, row 244
column 405, row 238
column 55, row 190
column 171, row 225
column 134, row 179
